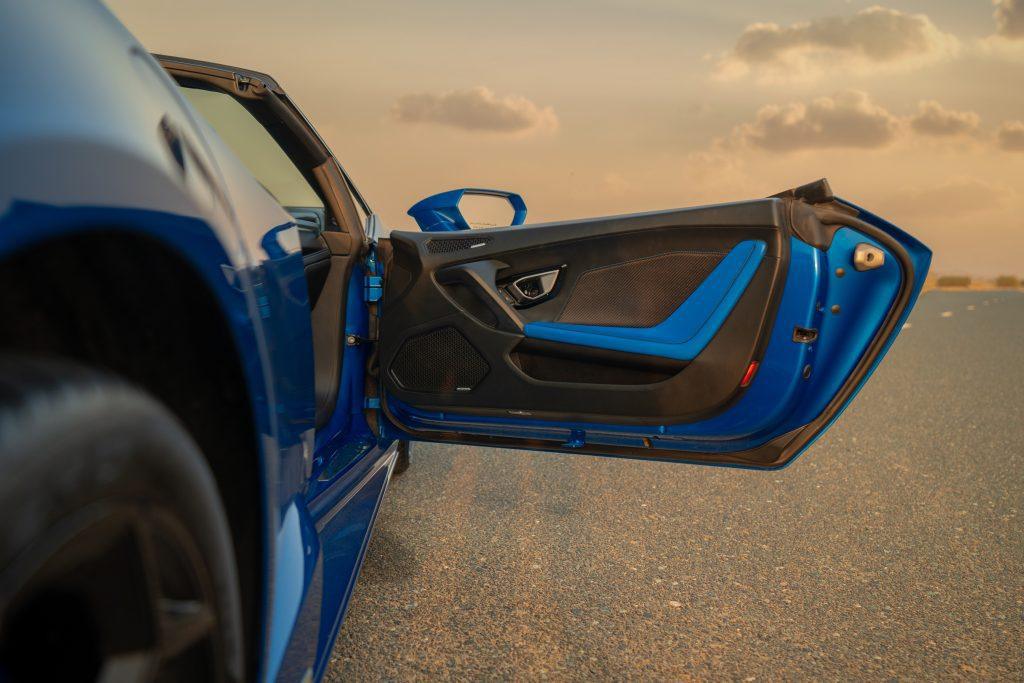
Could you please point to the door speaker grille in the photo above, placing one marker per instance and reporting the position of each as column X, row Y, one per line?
column 437, row 362
column 451, row 245
column 638, row 293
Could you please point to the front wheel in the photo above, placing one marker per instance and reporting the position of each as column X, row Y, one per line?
column 116, row 558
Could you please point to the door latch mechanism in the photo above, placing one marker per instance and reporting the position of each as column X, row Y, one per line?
column 868, row 257
column 804, row 335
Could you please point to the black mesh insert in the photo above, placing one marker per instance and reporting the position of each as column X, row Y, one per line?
column 452, row 244
column 439, row 361
column 638, row 293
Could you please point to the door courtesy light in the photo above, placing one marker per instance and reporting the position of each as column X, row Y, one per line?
column 748, row 377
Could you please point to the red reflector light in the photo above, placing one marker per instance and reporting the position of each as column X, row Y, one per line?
column 749, row 376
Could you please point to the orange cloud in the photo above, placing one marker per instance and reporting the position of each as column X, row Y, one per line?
column 475, row 109
column 1009, row 16
column 873, row 38
column 848, row 119
column 935, row 120
column 1010, row 136
column 851, row 119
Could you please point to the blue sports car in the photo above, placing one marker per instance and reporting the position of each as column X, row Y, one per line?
column 210, row 355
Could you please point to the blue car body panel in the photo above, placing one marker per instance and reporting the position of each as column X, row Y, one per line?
column 81, row 151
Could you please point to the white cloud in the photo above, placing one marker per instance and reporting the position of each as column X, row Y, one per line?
column 935, row 120
column 872, row 39
column 1010, row 136
column 847, row 119
column 851, row 119
column 476, row 109
column 1009, row 16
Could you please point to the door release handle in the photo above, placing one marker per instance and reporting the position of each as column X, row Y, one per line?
column 533, row 287
column 482, row 276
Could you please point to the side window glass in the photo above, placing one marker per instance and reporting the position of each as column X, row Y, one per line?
column 260, row 153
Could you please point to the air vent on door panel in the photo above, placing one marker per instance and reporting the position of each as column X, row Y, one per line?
column 437, row 362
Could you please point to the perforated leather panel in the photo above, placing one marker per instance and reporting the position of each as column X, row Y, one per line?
column 639, row 293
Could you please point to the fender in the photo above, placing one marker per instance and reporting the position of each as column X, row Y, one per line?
column 264, row 301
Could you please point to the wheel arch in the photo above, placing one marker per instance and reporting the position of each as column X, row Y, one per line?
column 137, row 304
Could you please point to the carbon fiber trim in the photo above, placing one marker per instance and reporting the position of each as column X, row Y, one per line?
column 639, row 293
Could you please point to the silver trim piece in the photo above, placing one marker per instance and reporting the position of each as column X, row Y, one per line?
column 868, row 257
column 547, row 284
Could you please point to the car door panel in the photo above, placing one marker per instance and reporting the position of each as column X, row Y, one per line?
column 497, row 367
column 751, row 329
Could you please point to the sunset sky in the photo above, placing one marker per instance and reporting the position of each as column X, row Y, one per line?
column 913, row 108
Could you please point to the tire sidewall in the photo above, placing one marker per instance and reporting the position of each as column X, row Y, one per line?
column 74, row 445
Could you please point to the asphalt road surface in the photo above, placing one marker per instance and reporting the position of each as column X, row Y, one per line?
column 893, row 548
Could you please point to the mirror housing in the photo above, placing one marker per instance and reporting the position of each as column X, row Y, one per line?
column 441, row 213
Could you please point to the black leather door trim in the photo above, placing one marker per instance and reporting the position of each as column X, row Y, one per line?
column 416, row 302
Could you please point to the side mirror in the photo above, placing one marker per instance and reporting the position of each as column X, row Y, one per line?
column 441, row 212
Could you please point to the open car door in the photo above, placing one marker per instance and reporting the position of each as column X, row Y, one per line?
column 731, row 334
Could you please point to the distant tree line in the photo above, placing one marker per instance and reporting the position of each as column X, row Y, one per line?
column 1007, row 281
column 1010, row 281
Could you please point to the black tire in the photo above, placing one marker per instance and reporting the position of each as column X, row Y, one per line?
column 402, row 462
column 115, row 550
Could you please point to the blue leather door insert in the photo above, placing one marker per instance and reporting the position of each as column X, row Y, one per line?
column 687, row 330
